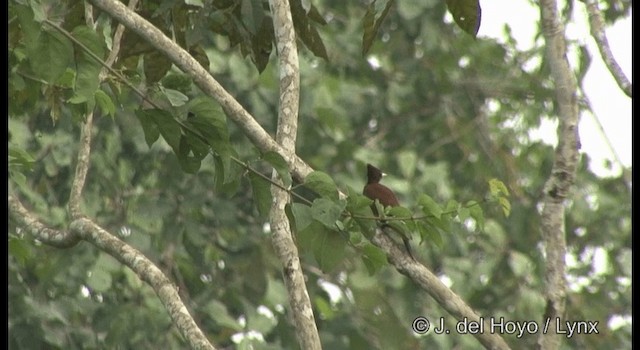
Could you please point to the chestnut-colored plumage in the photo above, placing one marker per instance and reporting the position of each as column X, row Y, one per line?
column 374, row 190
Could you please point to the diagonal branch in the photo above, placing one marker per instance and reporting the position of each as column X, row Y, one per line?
column 431, row 284
column 597, row 31
column 203, row 79
column 146, row 270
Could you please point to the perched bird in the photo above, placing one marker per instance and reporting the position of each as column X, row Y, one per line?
column 375, row 190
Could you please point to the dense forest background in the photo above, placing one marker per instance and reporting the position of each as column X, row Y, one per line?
column 398, row 84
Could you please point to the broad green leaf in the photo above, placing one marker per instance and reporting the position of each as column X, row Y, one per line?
column 306, row 30
column 357, row 202
column 20, row 159
column 302, row 215
column 280, row 165
column 376, row 13
column 156, row 66
column 175, row 97
column 399, row 228
column 309, row 235
column 104, row 102
column 475, row 210
column 360, row 205
column 497, row 188
column 167, row 125
column 209, row 120
column 505, row 205
column 100, row 278
column 444, row 223
column 430, row 234
column 322, row 184
column 373, row 258
column 87, row 68
column 252, row 14
column 429, row 206
column 327, row 212
column 150, row 128
column 329, row 250
column 262, row 44
column 50, row 55
column 189, row 161
column 399, row 212
column 261, row 194
column 467, row 14
column 19, row 249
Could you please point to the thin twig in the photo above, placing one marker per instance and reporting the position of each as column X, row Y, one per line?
column 596, row 24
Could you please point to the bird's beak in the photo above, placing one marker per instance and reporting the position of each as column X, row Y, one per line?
column 384, row 174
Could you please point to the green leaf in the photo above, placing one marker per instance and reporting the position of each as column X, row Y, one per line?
column 376, row 13
column 50, row 55
column 261, row 194
column 327, row 212
column 429, row 206
column 467, row 14
column 475, row 210
column 167, row 125
column 322, row 184
column 188, row 159
column 20, row 159
column 329, row 250
column 399, row 212
column 20, row 250
column 252, row 14
column 306, row 30
column 497, row 188
column 360, row 205
column 100, row 279
column 373, row 258
column 302, row 215
column 209, row 120
column 104, row 102
column 308, row 235
column 175, row 97
column 430, row 233
column 444, row 223
column 280, row 165
column 400, row 228
column 87, row 68
column 150, row 128
column 505, row 205
column 156, row 66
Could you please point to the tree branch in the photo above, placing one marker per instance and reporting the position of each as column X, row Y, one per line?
column 46, row 235
column 282, row 239
column 596, row 25
column 563, row 172
column 82, row 167
column 85, row 229
column 201, row 77
column 431, row 284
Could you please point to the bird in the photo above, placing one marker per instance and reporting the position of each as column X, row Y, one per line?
column 375, row 190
